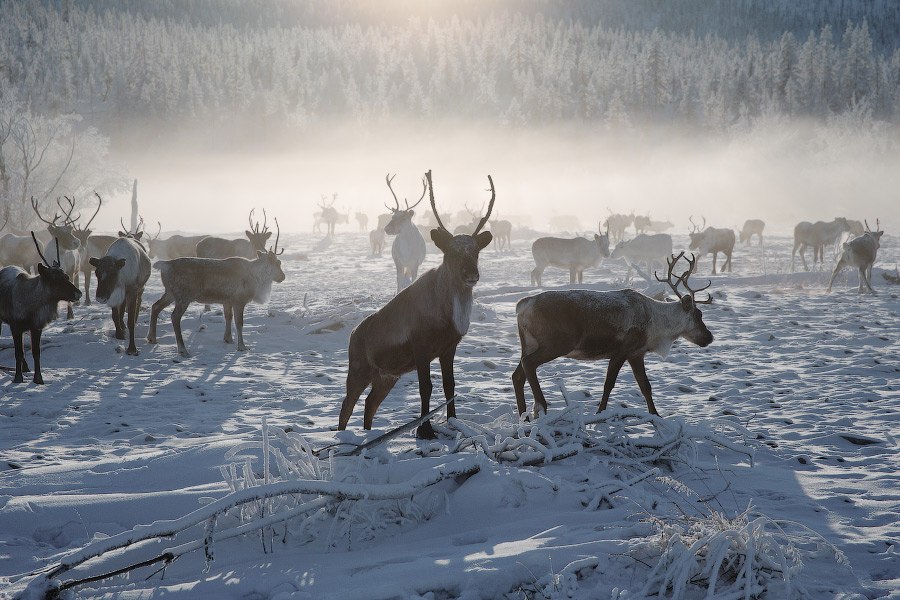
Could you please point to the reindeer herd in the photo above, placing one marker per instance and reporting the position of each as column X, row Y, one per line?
column 428, row 316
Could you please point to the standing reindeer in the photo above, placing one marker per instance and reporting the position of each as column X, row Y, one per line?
column 616, row 224
column 90, row 244
column 29, row 303
column 818, row 235
column 641, row 223
column 576, row 255
column 752, row 227
column 257, row 236
column 474, row 219
column 712, row 240
column 376, row 241
column 122, row 274
column 860, row 252
column 643, row 248
column 363, row 220
column 502, row 231
column 425, row 321
column 408, row 249
column 64, row 245
column 622, row 325
column 330, row 215
column 233, row 282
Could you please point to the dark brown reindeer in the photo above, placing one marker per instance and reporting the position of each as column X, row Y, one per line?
column 29, row 303
column 422, row 322
column 621, row 325
column 233, row 282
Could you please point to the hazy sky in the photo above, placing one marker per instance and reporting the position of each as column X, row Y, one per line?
column 781, row 175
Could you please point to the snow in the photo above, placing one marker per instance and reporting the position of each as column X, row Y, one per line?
column 777, row 451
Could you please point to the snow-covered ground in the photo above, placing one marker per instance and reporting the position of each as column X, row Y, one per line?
column 779, row 443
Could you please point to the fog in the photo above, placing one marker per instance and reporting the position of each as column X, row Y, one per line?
column 206, row 181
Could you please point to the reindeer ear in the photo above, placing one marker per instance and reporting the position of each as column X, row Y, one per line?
column 42, row 270
column 95, row 262
column 268, row 234
column 687, row 303
column 138, row 235
column 120, row 263
column 412, row 213
column 122, row 234
column 483, row 239
column 248, row 233
column 441, row 239
column 260, row 254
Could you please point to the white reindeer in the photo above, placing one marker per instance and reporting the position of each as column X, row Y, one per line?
column 643, row 248
column 818, row 235
column 575, row 254
column 408, row 249
column 621, row 325
column 752, row 227
column 860, row 252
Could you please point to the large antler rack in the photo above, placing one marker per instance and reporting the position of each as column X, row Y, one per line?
column 683, row 278
column 485, row 218
column 697, row 228
column 389, row 179
column 41, row 254
column 34, row 207
column 254, row 226
column 437, row 216
column 67, row 214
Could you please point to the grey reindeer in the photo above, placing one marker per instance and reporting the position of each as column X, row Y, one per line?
column 422, row 322
column 29, row 303
column 232, row 282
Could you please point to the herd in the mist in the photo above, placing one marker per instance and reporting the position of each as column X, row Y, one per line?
column 430, row 314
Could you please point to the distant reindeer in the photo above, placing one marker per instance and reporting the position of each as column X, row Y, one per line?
column 622, row 325
column 860, row 252
column 384, row 219
column 363, row 220
column 330, row 215
column 29, row 303
column 425, row 321
column 642, row 223
column 233, row 282
column 474, row 218
column 63, row 244
column 647, row 249
column 174, row 246
column 818, row 235
column 616, row 224
column 660, row 226
column 712, row 240
column 752, row 227
column 408, row 249
column 856, row 227
column 89, row 244
column 502, row 231
column 122, row 273
column 376, row 241
column 576, row 255
column 257, row 236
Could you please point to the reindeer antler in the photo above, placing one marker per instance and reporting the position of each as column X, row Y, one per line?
column 34, row 207
column 41, row 254
column 683, row 278
column 485, row 218
column 68, row 220
column 433, row 206
column 388, row 179
column 277, row 236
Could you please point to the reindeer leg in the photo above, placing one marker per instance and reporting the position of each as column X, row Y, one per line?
column 20, row 353
column 837, row 269
column 87, row 287
column 573, row 275
column 715, row 256
column 35, row 354
column 530, row 363
column 536, row 275
column 448, row 380
column 358, row 379
column 423, row 370
column 134, row 304
column 640, row 375
column 69, row 313
column 580, row 276
column 228, row 309
column 239, row 325
column 177, row 313
column 612, row 372
column 118, row 319
column 518, row 381
column 382, row 384
column 165, row 300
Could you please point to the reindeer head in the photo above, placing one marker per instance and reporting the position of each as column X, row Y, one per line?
column 270, row 258
column 400, row 216
column 258, row 235
column 602, row 242
column 82, row 233
column 875, row 235
column 107, row 270
column 461, row 251
column 694, row 329
column 55, row 278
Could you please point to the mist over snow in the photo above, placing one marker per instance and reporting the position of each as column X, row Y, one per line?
column 773, row 471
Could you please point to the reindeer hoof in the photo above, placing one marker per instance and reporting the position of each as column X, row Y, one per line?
column 184, row 353
column 132, row 352
column 228, row 341
column 425, row 431
column 38, row 380
column 18, row 378
column 151, row 339
column 242, row 348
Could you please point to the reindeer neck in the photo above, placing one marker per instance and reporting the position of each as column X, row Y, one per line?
column 453, row 298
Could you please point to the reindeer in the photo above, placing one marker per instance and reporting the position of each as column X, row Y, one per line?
column 122, row 274
column 641, row 223
column 860, row 252
column 89, row 244
column 644, row 248
column 474, row 219
column 257, row 236
column 330, row 215
column 712, row 240
column 363, row 220
column 616, row 224
column 660, row 226
column 818, row 235
column 64, row 244
column 376, row 241
column 576, row 255
column 502, row 231
column 856, row 227
column 621, row 325
column 29, row 303
column 233, row 282
column 424, row 321
column 752, row 227
column 174, row 246
column 408, row 249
